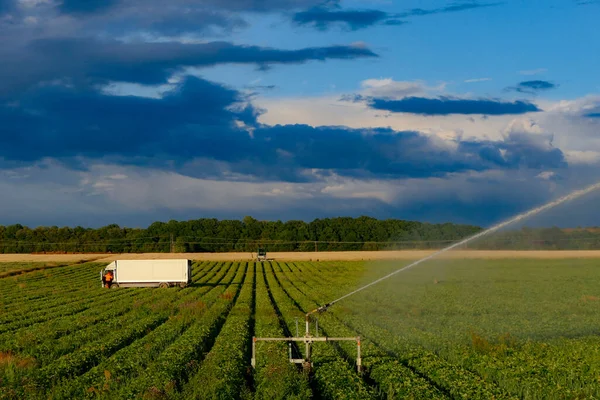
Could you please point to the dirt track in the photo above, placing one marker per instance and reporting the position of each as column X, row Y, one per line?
column 307, row 256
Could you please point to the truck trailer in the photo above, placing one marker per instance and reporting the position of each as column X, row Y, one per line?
column 147, row 273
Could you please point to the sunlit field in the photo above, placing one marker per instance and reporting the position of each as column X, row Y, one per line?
column 449, row 329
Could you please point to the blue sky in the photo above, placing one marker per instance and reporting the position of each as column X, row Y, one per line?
column 494, row 42
column 130, row 111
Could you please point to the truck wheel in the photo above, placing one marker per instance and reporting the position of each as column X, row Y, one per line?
column 163, row 285
column 114, row 286
column 183, row 284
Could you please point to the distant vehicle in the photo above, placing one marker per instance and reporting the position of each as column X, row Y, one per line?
column 147, row 273
column 261, row 255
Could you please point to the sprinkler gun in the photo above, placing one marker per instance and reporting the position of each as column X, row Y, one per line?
column 320, row 310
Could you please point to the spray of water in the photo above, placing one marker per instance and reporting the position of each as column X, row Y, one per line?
column 494, row 228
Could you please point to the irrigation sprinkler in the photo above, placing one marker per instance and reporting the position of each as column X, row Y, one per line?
column 308, row 339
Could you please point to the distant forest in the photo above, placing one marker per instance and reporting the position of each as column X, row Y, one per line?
column 247, row 235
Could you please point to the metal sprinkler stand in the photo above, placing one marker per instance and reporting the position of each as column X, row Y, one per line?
column 308, row 341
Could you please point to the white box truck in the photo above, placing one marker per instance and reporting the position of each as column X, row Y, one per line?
column 147, row 273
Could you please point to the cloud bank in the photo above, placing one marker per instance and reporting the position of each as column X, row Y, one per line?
column 447, row 106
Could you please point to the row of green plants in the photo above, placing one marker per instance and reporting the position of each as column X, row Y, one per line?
column 106, row 321
column 334, row 377
column 186, row 343
column 173, row 367
column 46, row 294
column 49, row 347
column 222, row 373
column 50, row 303
column 452, row 379
column 554, row 356
column 508, row 369
column 41, row 284
column 115, row 374
column 566, row 368
column 59, row 312
column 56, row 304
column 88, row 355
column 274, row 376
column 393, row 379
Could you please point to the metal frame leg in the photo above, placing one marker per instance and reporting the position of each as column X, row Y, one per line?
column 253, row 362
column 358, row 358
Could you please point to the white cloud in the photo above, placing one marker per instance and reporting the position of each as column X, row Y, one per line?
column 329, row 110
column 546, row 175
column 118, row 176
column 533, row 71
column 33, row 3
column 31, row 20
column 582, row 157
column 560, row 124
column 389, row 88
column 140, row 196
column 573, row 132
column 135, row 89
column 345, row 188
column 478, row 80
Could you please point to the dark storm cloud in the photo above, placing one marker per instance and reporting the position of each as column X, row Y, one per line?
column 92, row 6
column 419, row 12
column 447, row 106
column 323, row 19
column 198, row 120
column 171, row 18
column 172, row 22
column 516, row 151
column 117, row 18
column 86, row 6
column 533, row 86
column 267, row 5
column 87, row 61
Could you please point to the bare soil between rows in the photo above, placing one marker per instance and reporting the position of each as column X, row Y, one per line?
column 306, row 256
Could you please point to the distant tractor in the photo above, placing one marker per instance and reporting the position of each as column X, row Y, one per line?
column 261, row 255
column 147, row 273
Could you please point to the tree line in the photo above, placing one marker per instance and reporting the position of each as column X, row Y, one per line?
column 248, row 234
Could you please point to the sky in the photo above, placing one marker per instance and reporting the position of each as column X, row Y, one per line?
column 131, row 111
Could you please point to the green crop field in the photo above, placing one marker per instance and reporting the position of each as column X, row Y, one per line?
column 453, row 329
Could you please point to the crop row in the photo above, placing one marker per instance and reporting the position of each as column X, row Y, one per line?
column 115, row 374
column 534, row 370
column 334, row 377
column 69, row 309
column 60, row 297
column 165, row 375
column 115, row 316
column 221, row 374
column 393, row 379
column 456, row 381
column 37, row 287
column 29, row 382
column 159, row 303
column 47, row 332
column 44, row 279
column 275, row 377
